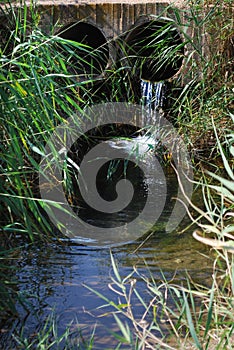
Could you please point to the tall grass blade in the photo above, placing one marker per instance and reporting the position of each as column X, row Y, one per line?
column 115, row 269
column 190, row 322
column 225, row 161
column 124, row 328
column 210, row 312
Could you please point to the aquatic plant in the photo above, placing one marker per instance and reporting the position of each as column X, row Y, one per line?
column 49, row 337
column 206, row 90
column 38, row 91
column 215, row 229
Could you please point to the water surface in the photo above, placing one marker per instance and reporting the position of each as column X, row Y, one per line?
column 52, row 277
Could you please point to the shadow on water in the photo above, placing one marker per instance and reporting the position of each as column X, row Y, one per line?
column 52, row 277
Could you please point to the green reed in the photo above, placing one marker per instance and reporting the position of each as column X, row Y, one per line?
column 37, row 93
column 40, row 89
column 206, row 88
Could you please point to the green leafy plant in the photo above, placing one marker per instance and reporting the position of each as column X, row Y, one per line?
column 39, row 90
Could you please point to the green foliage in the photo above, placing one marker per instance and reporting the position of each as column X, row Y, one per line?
column 39, row 89
column 37, row 93
column 48, row 337
column 207, row 80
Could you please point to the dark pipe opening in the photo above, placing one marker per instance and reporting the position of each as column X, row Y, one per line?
column 156, row 49
column 92, row 59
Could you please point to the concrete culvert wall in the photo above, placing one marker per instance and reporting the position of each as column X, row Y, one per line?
column 154, row 49
column 90, row 60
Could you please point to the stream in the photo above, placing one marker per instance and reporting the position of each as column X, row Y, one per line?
column 53, row 278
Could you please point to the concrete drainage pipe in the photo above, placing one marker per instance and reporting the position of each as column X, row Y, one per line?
column 154, row 49
column 91, row 57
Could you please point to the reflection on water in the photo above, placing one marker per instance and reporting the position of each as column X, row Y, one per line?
column 141, row 150
column 128, row 212
column 52, row 277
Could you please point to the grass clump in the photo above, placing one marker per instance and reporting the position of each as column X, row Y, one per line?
column 208, row 94
column 49, row 336
column 39, row 91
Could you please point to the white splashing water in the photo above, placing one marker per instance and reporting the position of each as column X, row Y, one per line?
column 143, row 143
column 152, row 94
column 142, row 147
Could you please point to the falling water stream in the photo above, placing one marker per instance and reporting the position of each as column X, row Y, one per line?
column 153, row 94
column 51, row 277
